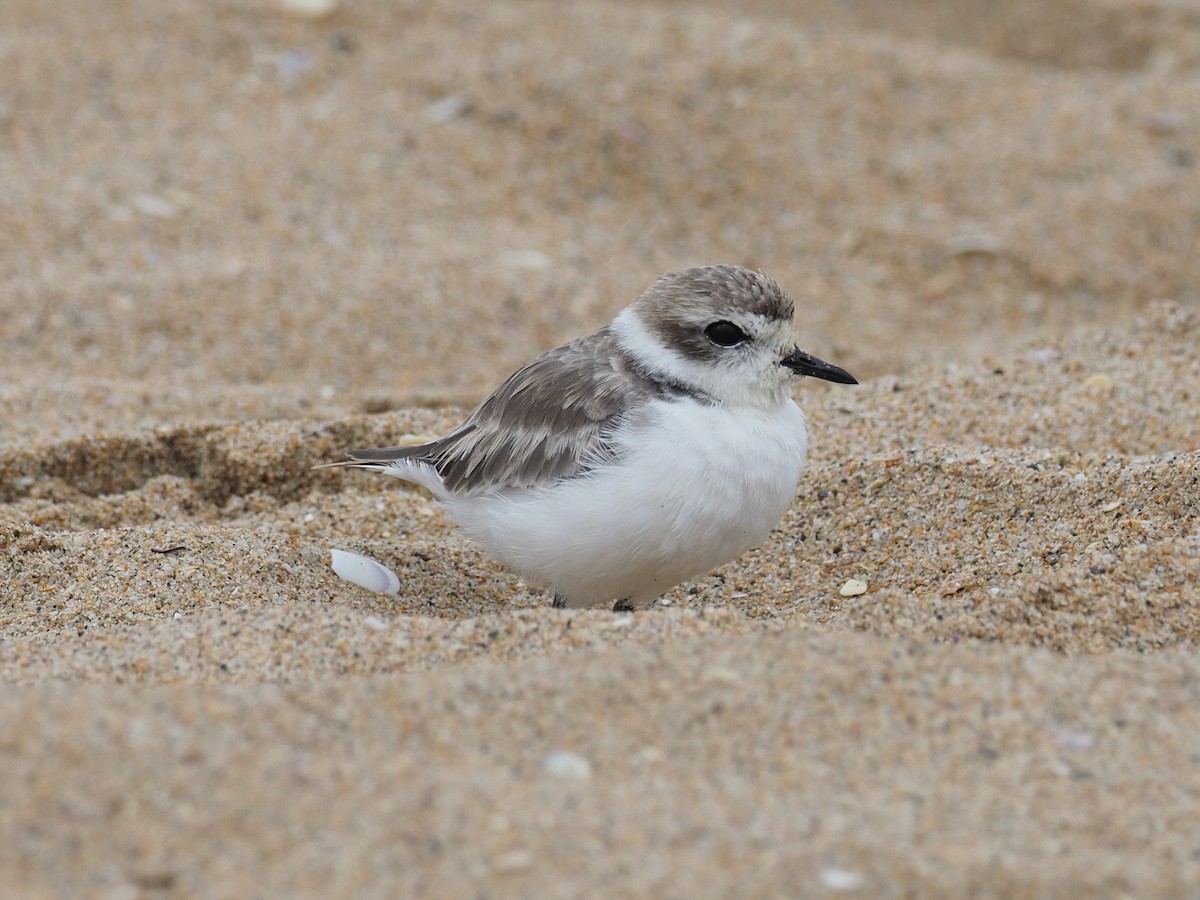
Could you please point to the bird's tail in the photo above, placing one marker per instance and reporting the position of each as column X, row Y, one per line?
column 396, row 461
column 377, row 460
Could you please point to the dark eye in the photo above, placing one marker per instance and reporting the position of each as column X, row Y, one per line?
column 725, row 334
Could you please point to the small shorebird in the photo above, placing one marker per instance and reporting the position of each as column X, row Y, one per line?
column 638, row 456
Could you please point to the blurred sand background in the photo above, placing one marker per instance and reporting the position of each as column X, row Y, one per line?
column 236, row 240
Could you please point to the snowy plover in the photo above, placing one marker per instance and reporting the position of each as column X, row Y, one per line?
column 638, row 456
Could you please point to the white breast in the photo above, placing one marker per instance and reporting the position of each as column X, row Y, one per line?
column 696, row 486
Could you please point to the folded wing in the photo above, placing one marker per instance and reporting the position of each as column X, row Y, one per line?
column 550, row 420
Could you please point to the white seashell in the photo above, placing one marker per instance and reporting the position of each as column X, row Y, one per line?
column 365, row 572
column 852, row 588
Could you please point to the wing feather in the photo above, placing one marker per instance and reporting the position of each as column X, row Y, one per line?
column 549, row 420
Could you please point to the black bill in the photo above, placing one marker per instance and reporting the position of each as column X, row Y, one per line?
column 806, row 364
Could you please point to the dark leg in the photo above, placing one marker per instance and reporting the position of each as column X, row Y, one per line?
column 623, row 606
column 560, row 602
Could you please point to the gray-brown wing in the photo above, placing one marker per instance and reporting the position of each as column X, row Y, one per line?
column 549, row 420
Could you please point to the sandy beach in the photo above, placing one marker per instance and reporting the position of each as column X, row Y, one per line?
column 241, row 237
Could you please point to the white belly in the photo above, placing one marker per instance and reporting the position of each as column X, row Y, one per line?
column 697, row 486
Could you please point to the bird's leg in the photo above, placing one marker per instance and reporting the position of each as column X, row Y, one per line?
column 560, row 602
column 623, row 606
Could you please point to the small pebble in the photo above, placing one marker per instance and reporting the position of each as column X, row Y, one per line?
column 525, row 259
column 1099, row 383
column 722, row 674
column 852, row 588
column 841, row 879
column 155, row 207
column 565, row 764
column 310, row 9
column 448, row 109
column 513, row 861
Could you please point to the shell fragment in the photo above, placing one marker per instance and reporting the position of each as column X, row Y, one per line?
column 365, row 572
column 852, row 588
